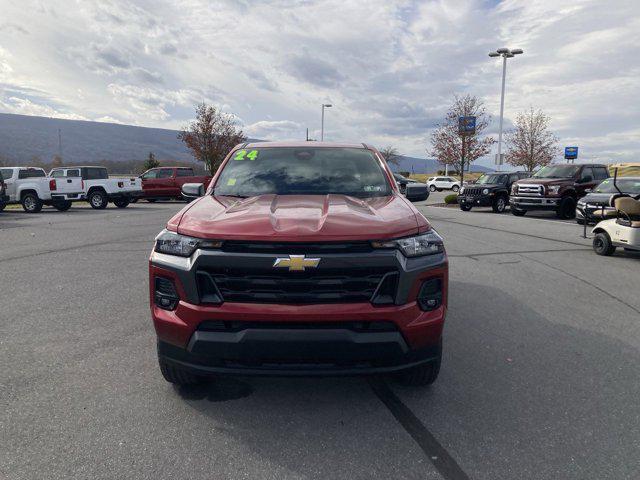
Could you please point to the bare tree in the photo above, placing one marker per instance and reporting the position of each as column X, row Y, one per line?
column 451, row 148
column 57, row 161
column 211, row 136
column 391, row 155
column 531, row 144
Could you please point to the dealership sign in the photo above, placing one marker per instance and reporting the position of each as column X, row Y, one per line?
column 467, row 125
column 570, row 153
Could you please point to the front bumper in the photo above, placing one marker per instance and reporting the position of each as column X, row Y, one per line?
column 534, row 203
column 595, row 213
column 476, row 200
column 304, row 339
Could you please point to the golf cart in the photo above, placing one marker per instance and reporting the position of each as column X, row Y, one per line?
column 622, row 231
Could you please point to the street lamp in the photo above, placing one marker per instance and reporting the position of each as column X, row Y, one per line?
column 327, row 105
column 504, row 53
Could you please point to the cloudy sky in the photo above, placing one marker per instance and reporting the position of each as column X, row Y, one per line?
column 389, row 68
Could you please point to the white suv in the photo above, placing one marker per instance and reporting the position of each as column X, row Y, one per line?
column 443, row 183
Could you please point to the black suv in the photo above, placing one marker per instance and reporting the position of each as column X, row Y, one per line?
column 490, row 190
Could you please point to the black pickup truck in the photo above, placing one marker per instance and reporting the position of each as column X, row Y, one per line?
column 490, row 190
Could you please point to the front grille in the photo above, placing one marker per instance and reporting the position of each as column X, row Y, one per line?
column 292, row 248
column 347, row 285
column 535, row 190
column 472, row 191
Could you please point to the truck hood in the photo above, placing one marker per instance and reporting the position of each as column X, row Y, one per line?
column 300, row 218
column 544, row 181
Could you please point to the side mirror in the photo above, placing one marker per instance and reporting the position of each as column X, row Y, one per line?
column 191, row 191
column 417, row 192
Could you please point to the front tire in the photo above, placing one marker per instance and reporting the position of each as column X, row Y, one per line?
column 62, row 206
column 2, row 206
column 31, row 203
column 602, row 244
column 499, row 204
column 455, row 188
column 432, row 188
column 465, row 208
column 177, row 375
column 98, row 200
column 423, row 374
column 121, row 203
column 567, row 208
column 518, row 213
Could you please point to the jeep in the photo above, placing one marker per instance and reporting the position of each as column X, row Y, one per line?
column 490, row 190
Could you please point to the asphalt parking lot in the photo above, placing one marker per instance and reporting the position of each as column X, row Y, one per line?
column 539, row 381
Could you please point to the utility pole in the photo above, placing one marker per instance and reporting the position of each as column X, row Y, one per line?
column 504, row 53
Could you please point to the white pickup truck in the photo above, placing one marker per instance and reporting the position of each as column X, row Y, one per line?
column 32, row 188
column 99, row 189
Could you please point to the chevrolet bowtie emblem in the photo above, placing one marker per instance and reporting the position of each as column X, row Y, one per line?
column 296, row 263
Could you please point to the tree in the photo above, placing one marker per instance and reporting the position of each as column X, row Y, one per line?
column 56, row 162
column 150, row 162
column 451, row 148
column 531, row 144
column 211, row 136
column 391, row 155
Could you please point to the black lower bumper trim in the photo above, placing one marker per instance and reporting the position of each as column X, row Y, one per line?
column 339, row 355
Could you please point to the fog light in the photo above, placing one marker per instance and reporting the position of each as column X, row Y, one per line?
column 430, row 296
column 165, row 295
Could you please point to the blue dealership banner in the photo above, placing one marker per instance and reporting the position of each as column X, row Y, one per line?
column 570, row 153
column 467, row 125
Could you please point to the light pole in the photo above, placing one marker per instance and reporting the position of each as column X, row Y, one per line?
column 504, row 53
column 327, row 105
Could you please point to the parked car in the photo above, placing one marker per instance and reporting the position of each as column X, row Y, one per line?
column 166, row 182
column 98, row 189
column 599, row 199
column 443, row 183
column 402, row 183
column 32, row 188
column 4, row 198
column 556, row 187
column 490, row 190
column 304, row 260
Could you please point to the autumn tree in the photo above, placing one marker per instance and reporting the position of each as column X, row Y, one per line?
column 449, row 147
column 150, row 162
column 530, row 144
column 211, row 135
column 391, row 155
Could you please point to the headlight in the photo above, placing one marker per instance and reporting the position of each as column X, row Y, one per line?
column 554, row 189
column 514, row 189
column 428, row 243
column 485, row 191
column 462, row 190
column 173, row 243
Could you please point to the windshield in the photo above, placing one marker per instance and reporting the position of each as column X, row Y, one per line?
column 491, row 178
column 557, row 171
column 303, row 171
column 627, row 185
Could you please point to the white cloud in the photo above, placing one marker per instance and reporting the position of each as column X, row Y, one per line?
column 389, row 68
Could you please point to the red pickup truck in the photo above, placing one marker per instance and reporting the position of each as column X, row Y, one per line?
column 300, row 259
column 166, row 182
